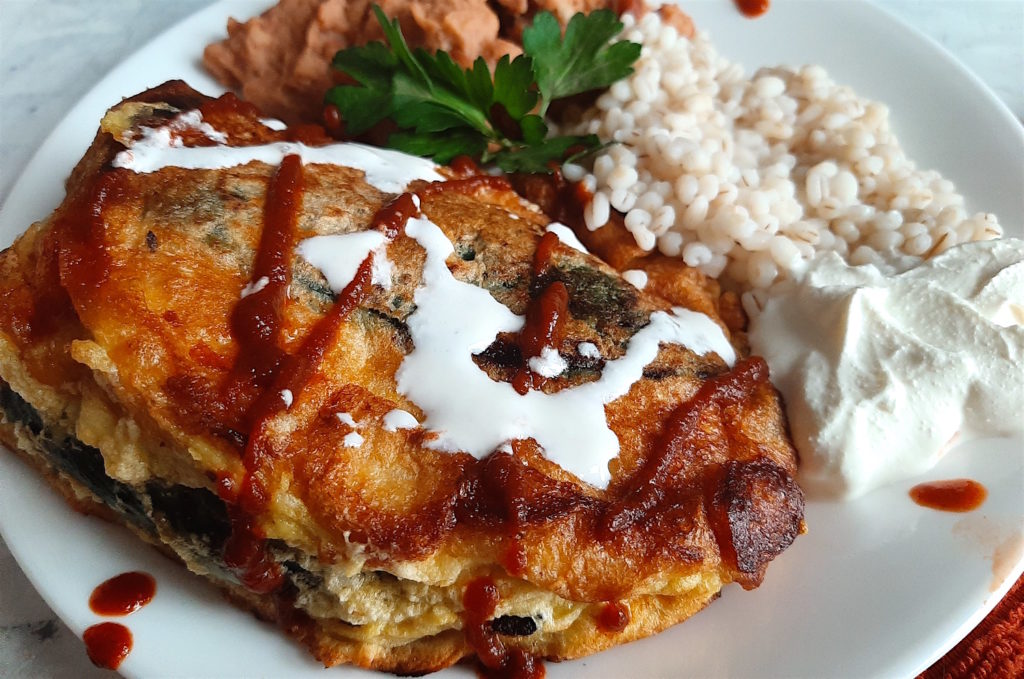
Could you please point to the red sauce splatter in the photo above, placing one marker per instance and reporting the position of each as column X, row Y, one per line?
column 263, row 370
column 256, row 324
column 464, row 166
column 392, row 217
column 545, row 317
column 332, row 120
column 653, row 491
column 466, row 186
column 107, row 644
column 753, row 8
column 246, row 554
column 479, row 601
column 545, row 320
column 613, row 618
column 542, row 255
column 256, row 319
column 544, row 327
column 84, row 261
column 123, row 594
column 955, row 495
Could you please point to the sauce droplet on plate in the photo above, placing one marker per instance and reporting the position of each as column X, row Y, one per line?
column 753, row 8
column 123, row 594
column 107, row 644
column 955, row 495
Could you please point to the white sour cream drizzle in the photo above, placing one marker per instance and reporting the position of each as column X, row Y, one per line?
column 346, row 418
column 399, row 419
column 338, row 257
column 388, row 171
column 274, row 124
column 566, row 235
column 549, row 364
column 471, row 412
column 453, row 320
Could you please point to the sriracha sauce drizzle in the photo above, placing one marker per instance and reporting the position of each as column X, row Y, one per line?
column 263, row 370
column 496, row 661
column 546, row 317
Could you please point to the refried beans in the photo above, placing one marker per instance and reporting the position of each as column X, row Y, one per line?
column 280, row 60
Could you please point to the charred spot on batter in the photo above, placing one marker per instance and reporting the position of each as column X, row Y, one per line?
column 756, row 511
column 503, row 352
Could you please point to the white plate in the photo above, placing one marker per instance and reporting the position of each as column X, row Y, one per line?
column 878, row 587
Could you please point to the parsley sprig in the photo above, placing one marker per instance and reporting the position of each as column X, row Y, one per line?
column 442, row 110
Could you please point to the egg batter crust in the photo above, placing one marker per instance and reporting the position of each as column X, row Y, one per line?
column 124, row 380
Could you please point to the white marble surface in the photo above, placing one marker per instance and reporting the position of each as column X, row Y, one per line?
column 53, row 51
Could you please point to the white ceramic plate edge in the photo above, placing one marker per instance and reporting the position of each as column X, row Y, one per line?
column 67, row 144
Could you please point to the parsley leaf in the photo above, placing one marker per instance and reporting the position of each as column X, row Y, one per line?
column 372, row 66
column 583, row 60
column 537, row 158
column 441, row 147
column 442, row 110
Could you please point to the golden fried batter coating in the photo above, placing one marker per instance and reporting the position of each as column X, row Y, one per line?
column 119, row 347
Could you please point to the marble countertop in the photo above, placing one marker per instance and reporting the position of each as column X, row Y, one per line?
column 53, row 51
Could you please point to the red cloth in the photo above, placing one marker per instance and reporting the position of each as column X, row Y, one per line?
column 995, row 648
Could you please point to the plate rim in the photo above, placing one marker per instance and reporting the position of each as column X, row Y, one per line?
column 218, row 8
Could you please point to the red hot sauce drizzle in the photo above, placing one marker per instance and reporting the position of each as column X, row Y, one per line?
column 542, row 255
column 956, row 495
column 256, row 325
column 256, row 318
column 123, row 594
column 107, row 644
column 263, row 370
column 544, row 328
column 545, row 318
column 496, row 661
column 84, row 262
column 391, row 218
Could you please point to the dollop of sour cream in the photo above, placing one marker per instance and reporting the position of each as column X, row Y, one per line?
column 881, row 372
